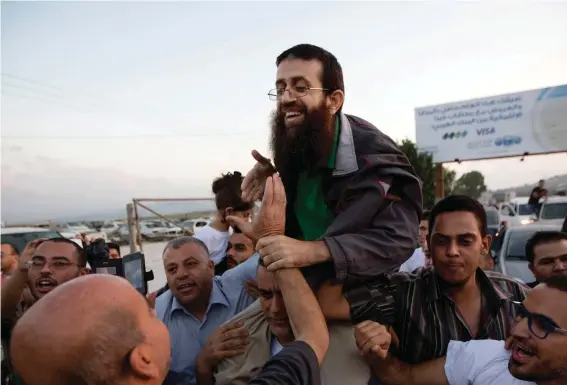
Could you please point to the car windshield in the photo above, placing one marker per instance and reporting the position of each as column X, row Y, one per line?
column 525, row 209
column 516, row 245
column 492, row 218
column 20, row 240
column 555, row 210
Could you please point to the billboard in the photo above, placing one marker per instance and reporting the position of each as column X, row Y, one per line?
column 533, row 122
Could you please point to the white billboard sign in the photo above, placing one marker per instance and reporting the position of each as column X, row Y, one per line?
column 532, row 122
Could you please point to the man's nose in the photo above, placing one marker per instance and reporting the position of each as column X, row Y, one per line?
column 521, row 329
column 46, row 268
column 277, row 305
column 287, row 97
column 452, row 249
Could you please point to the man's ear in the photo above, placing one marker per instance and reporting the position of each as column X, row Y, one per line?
column 531, row 267
column 335, row 101
column 142, row 363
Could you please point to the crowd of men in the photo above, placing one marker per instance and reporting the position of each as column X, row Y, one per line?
column 324, row 286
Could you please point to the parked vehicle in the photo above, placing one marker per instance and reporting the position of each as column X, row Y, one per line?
column 553, row 211
column 511, row 260
column 73, row 230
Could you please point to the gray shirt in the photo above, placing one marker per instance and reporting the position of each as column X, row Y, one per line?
column 188, row 334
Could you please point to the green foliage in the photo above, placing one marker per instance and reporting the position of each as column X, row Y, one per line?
column 423, row 165
column 471, row 184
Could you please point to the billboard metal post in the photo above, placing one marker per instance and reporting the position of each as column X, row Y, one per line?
column 439, row 182
column 131, row 213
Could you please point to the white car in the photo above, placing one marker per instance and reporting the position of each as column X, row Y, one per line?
column 74, row 230
column 110, row 227
column 553, row 211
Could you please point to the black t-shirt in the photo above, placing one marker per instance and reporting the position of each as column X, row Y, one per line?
column 296, row 364
column 537, row 193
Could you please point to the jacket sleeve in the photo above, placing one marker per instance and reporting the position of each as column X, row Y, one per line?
column 376, row 231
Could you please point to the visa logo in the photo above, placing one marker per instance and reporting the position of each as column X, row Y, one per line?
column 485, row 131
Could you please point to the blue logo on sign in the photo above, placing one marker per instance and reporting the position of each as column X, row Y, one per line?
column 485, row 131
column 507, row 141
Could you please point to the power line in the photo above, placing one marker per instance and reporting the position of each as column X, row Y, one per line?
column 148, row 136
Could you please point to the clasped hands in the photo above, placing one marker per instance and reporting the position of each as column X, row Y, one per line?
column 266, row 231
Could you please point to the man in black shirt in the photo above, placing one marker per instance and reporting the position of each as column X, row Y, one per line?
column 537, row 193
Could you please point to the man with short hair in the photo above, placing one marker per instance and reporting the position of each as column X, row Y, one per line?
column 453, row 300
column 197, row 301
column 239, row 249
column 536, row 353
column 536, row 195
column 271, row 331
column 92, row 330
column 44, row 265
column 114, row 250
column 546, row 252
column 10, row 258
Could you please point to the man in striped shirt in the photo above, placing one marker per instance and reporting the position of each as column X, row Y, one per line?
column 453, row 300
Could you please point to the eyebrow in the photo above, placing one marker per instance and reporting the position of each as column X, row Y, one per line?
column 58, row 257
column 294, row 79
column 450, row 236
column 552, row 257
column 541, row 316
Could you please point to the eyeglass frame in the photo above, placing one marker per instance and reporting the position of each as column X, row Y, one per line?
column 547, row 324
column 31, row 264
column 297, row 95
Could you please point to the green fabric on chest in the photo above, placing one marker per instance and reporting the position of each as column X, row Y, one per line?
column 311, row 210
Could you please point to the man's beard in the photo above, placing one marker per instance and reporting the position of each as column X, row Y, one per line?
column 300, row 148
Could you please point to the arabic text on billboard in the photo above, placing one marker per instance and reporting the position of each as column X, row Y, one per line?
column 533, row 122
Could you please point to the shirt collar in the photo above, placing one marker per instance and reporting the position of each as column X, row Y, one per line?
column 217, row 298
column 491, row 291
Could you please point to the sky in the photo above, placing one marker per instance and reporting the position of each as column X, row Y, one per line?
column 106, row 101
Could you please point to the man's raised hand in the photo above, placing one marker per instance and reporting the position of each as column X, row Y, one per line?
column 254, row 181
column 270, row 219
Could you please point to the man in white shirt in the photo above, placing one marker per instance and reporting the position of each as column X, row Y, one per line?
column 418, row 258
column 537, row 354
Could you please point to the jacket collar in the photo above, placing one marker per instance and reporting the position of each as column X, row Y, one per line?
column 346, row 162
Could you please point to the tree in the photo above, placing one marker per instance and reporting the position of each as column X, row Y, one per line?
column 425, row 168
column 471, row 184
column 449, row 177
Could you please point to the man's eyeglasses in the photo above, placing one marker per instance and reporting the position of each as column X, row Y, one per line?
column 296, row 91
column 538, row 324
column 58, row 264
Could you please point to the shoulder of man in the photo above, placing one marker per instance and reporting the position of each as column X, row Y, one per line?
column 378, row 154
column 368, row 139
column 163, row 304
column 515, row 288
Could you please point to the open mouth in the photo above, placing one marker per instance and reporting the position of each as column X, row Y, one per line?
column 45, row 285
column 521, row 353
column 185, row 288
column 292, row 116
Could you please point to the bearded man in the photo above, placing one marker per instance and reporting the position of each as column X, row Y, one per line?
column 353, row 196
column 353, row 203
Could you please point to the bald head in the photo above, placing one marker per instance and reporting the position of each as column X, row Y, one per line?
column 82, row 333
